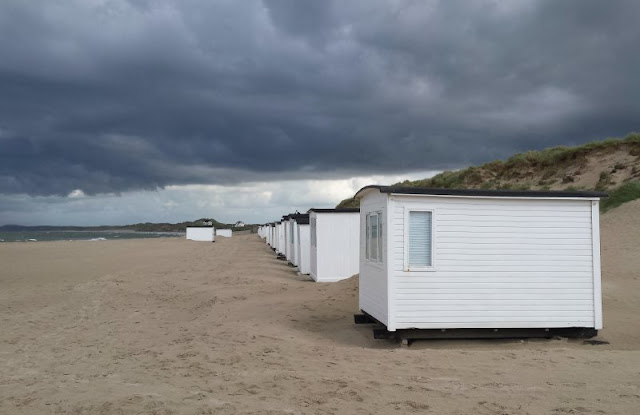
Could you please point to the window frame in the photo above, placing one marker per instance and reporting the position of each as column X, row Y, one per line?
column 407, row 212
column 313, row 232
column 379, row 261
column 291, row 233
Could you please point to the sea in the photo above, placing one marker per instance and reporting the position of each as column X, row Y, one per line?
column 94, row 236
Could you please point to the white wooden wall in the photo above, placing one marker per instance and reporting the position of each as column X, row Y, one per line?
column 337, row 253
column 281, row 240
column 288, row 243
column 272, row 238
column 373, row 293
column 313, row 250
column 293, row 243
column 285, row 236
column 499, row 263
column 303, row 249
column 224, row 232
column 201, row 234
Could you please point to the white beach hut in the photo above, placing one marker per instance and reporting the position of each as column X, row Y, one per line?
column 276, row 228
column 201, row 233
column 335, row 238
column 227, row 233
column 272, row 233
column 281, row 238
column 272, row 237
column 267, row 233
column 303, row 244
column 292, row 240
column 287, row 226
column 509, row 261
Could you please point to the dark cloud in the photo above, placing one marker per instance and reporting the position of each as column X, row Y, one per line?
column 113, row 96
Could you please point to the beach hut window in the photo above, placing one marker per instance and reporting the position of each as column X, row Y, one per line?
column 312, row 223
column 366, row 236
column 373, row 237
column 419, row 249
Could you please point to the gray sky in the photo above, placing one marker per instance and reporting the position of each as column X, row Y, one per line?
column 115, row 111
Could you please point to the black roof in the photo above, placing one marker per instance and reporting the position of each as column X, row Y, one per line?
column 480, row 192
column 301, row 218
column 290, row 215
column 338, row 210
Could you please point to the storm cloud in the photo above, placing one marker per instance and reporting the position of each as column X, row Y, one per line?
column 109, row 96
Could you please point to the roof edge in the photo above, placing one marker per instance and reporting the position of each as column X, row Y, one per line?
column 481, row 192
column 336, row 210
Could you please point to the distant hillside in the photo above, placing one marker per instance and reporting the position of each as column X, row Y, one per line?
column 612, row 165
column 138, row 227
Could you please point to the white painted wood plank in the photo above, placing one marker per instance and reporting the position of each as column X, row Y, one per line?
column 493, row 324
column 453, row 266
column 483, row 250
column 558, row 284
column 495, row 296
column 493, row 214
column 472, row 307
column 548, row 230
column 495, row 302
column 569, row 321
column 487, row 314
column 498, row 243
column 597, row 278
column 517, row 223
column 509, row 281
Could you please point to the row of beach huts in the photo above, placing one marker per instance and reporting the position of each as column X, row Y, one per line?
column 442, row 263
column 206, row 233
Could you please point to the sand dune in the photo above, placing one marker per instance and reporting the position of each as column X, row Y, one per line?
column 170, row 326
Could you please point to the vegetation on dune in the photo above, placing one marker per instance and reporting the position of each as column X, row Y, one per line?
column 625, row 193
column 617, row 162
column 174, row 227
column 349, row 203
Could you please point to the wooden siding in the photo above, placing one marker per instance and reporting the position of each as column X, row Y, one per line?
column 291, row 243
column 313, row 249
column 498, row 263
column 373, row 282
column 280, row 246
column 336, row 256
column 303, row 248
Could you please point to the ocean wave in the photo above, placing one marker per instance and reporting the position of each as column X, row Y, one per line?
column 98, row 239
column 32, row 240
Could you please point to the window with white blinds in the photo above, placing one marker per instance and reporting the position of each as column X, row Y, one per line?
column 420, row 240
column 373, row 237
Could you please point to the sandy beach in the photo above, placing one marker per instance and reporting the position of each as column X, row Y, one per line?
column 169, row 326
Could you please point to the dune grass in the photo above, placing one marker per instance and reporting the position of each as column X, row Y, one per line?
column 510, row 174
column 622, row 194
column 548, row 160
